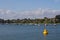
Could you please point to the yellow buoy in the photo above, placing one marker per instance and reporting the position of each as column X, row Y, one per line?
column 45, row 32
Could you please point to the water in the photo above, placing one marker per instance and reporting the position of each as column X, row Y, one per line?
column 28, row 32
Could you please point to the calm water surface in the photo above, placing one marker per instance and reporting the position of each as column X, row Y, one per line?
column 28, row 32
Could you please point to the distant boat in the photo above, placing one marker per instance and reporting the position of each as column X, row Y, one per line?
column 35, row 24
column 45, row 24
column 38, row 24
column 54, row 24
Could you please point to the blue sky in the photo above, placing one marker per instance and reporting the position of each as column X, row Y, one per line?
column 29, row 4
column 18, row 6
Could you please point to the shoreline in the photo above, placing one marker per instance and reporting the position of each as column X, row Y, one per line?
column 29, row 23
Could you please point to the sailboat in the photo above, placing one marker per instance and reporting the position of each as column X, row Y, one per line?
column 54, row 22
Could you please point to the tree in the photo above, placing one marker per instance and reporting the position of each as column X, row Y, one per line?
column 57, row 18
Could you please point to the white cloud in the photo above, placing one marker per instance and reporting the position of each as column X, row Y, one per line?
column 37, row 13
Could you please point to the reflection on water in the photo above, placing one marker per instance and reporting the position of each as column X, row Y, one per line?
column 45, row 33
column 28, row 32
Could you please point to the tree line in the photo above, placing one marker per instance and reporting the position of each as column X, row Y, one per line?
column 37, row 21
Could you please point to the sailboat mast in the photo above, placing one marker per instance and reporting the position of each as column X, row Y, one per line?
column 45, row 22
